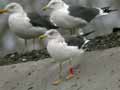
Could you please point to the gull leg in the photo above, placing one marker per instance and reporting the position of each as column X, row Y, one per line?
column 25, row 45
column 81, row 32
column 71, row 71
column 34, row 44
column 76, row 31
column 72, row 31
column 42, row 46
column 56, row 82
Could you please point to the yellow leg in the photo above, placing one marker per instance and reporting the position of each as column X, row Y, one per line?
column 56, row 82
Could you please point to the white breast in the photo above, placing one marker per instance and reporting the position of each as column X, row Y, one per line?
column 60, row 51
column 19, row 24
column 18, row 21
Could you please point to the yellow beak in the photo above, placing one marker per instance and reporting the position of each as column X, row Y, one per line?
column 3, row 11
column 42, row 37
column 45, row 8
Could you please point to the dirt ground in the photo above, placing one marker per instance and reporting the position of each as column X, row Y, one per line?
column 99, row 70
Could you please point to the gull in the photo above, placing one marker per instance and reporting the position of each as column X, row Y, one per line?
column 60, row 51
column 26, row 26
column 73, row 17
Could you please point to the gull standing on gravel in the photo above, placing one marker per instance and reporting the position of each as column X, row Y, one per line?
column 73, row 17
column 26, row 26
column 60, row 51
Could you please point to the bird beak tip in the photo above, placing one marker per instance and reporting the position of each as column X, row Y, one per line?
column 42, row 36
column 3, row 11
column 44, row 8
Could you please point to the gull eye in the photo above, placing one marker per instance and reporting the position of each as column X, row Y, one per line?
column 11, row 7
column 53, row 3
column 51, row 33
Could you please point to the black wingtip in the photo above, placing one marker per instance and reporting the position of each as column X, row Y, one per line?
column 108, row 9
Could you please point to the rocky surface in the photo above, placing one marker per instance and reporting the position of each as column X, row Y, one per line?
column 16, row 57
column 99, row 43
column 96, row 70
column 104, row 42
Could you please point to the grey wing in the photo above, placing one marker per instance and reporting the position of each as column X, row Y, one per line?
column 36, row 31
column 76, row 21
column 83, row 12
column 78, row 40
column 40, row 20
column 75, row 41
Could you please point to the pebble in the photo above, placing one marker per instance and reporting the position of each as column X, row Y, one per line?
column 98, row 43
column 24, row 59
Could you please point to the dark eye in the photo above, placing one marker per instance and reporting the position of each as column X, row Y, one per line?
column 53, row 3
column 51, row 33
column 11, row 7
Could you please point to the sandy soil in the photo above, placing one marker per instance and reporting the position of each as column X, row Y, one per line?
column 99, row 70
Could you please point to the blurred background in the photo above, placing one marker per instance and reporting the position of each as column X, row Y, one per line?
column 102, row 25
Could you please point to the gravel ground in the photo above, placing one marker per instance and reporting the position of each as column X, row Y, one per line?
column 14, row 58
column 99, row 43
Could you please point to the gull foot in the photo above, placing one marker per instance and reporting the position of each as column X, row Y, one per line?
column 70, row 76
column 57, row 82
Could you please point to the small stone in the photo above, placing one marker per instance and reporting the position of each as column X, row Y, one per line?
column 18, row 84
column 30, row 88
column 111, row 54
column 118, row 86
column 12, row 56
column 89, row 80
column 79, row 88
column 29, row 73
column 74, row 85
column 13, row 88
column 119, row 80
column 24, row 59
column 112, row 72
column 14, row 66
column 106, row 88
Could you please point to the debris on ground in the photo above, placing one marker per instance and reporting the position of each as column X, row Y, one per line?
column 16, row 57
column 99, row 43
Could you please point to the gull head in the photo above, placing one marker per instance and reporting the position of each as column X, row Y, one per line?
column 12, row 8
column 106, row 10
column 51, row 34
column 54, row 5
